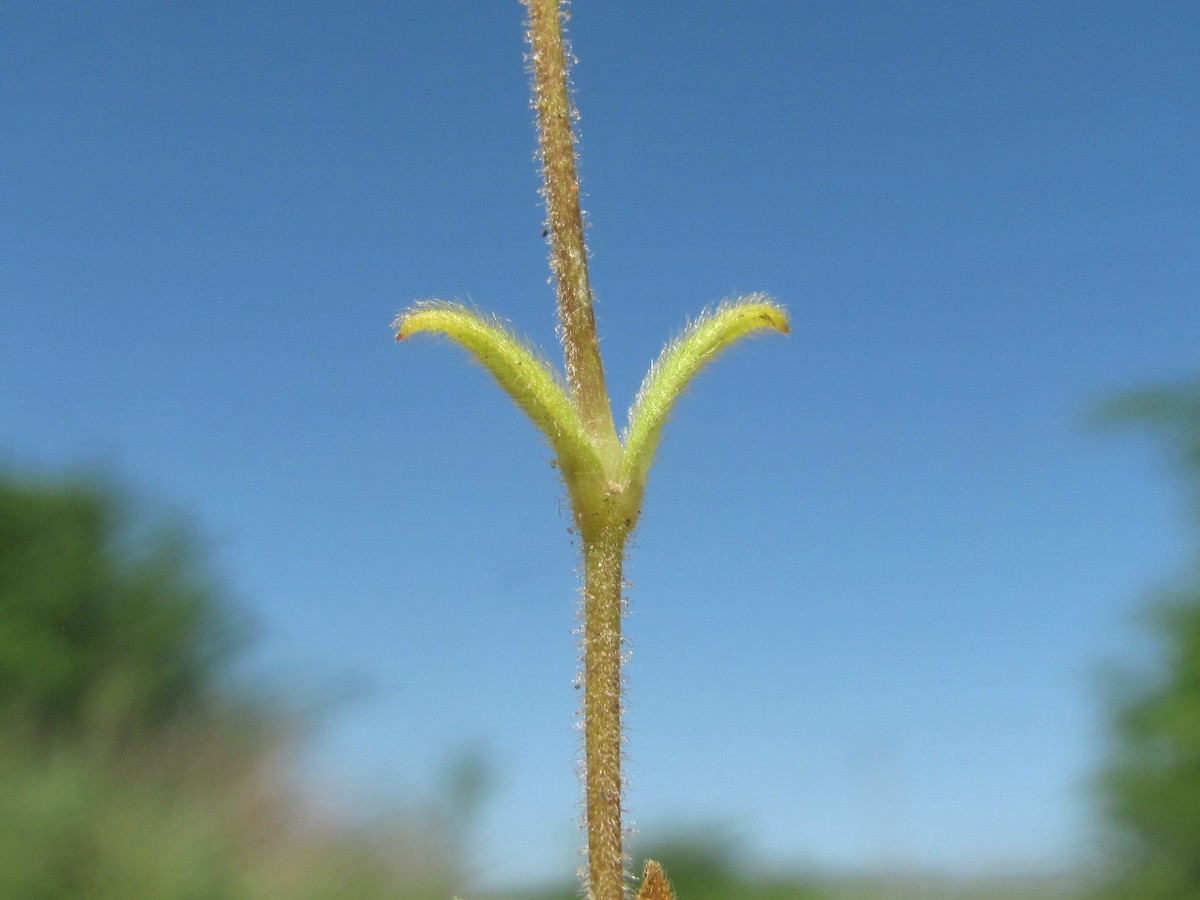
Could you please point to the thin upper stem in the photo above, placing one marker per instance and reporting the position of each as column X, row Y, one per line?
column 568, row 252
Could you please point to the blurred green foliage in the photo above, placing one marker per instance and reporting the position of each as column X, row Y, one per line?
column 98, row 629
column 131, row 766
column 1151, row 786
column 706, row 865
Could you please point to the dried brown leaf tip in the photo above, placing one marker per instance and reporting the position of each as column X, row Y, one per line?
column 654, row 883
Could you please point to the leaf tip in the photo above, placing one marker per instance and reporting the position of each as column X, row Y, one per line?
column 398, row 324
column 773, row 316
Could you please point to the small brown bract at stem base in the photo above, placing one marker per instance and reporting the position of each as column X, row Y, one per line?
column 654, row 883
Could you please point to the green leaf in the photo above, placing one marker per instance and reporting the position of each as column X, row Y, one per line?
column 680, row 362
column 531, row 382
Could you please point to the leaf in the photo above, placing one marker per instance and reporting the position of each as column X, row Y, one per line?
column 680, row 362
column 518, row 368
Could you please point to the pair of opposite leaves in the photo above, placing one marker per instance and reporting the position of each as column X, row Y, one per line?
column 595, row 473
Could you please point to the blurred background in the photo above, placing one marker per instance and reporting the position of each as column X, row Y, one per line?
column 286, row 610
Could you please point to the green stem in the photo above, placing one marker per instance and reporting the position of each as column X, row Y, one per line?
column 568, row 252
column 603, row 554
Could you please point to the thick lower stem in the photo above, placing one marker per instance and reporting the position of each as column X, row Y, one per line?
column 603, row 558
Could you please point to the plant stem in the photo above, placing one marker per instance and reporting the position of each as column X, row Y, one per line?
column 603, row 554
column 603, row 535
column 568, row 253
column 605, row 480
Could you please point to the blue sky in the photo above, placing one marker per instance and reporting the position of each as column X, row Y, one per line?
column 880, row 559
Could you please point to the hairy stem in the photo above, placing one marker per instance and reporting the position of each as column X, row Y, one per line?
column 603, row 555
column 605, row 480
column 568, row 252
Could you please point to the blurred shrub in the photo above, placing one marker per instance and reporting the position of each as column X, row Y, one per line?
column 1151, row 786
column 130, row 766
column 102, row 627
column 705, row 865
